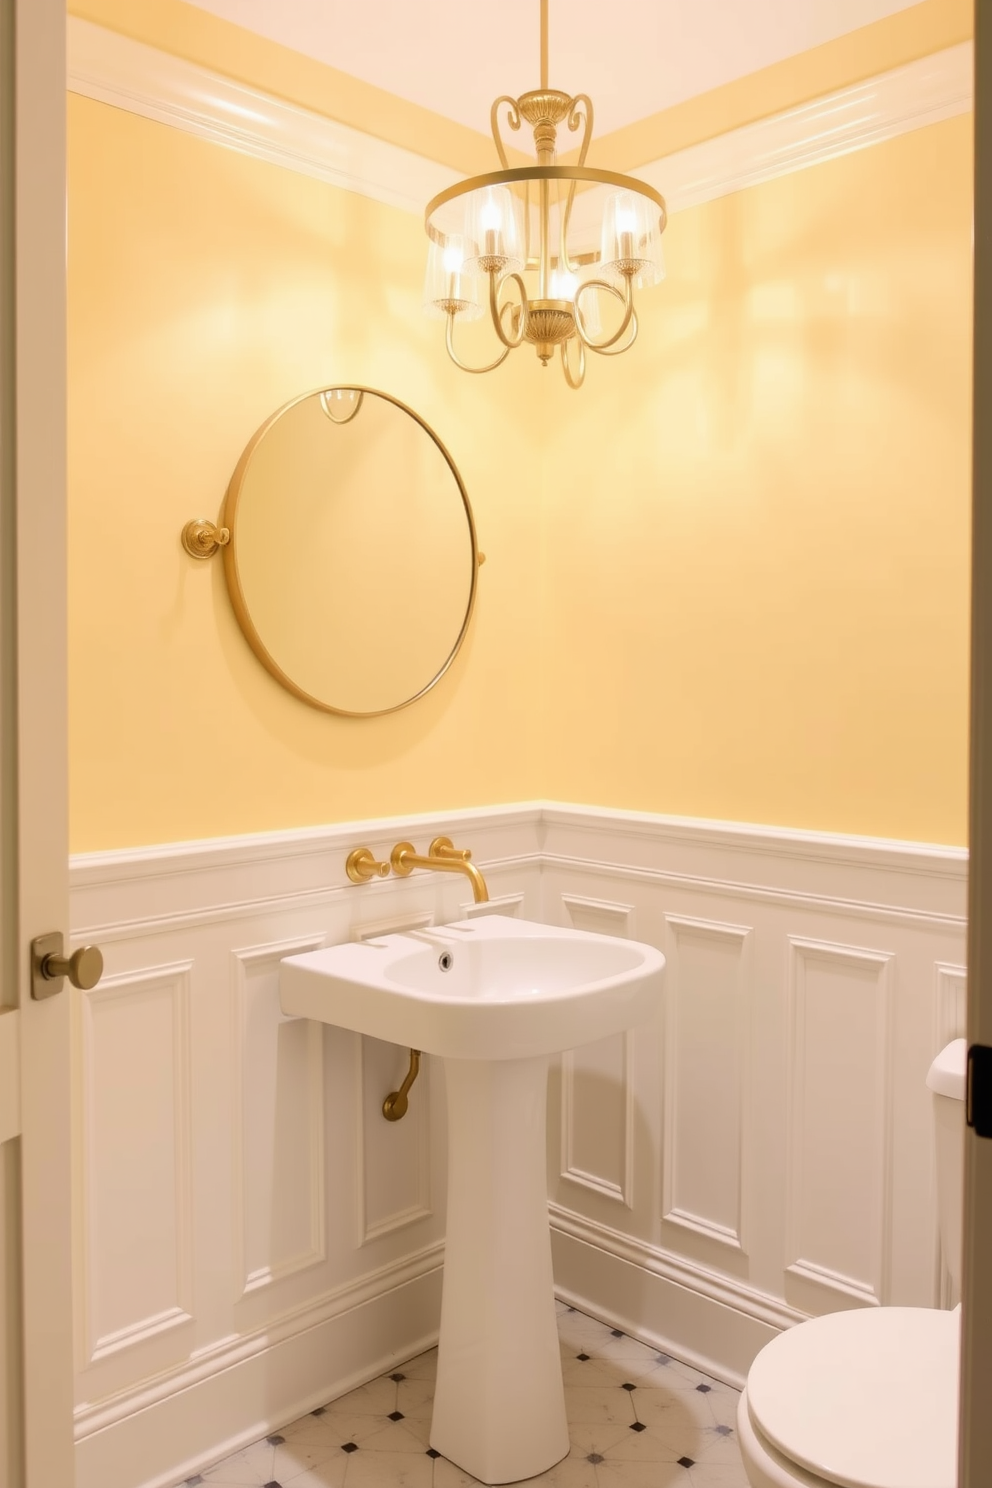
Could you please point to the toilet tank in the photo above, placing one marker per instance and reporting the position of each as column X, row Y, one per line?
column 946, row 1080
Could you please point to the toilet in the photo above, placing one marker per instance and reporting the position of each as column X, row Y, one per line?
column 869, row 1398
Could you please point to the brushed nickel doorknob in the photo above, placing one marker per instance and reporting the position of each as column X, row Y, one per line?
column 49, row 966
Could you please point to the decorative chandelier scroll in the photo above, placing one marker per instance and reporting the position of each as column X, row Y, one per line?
column 585, row 239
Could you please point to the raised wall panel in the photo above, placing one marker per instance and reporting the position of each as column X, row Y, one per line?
column 279, row 1225
column 600, row 916
column 135, row 1178
column 951, row 1003
column 393, row 1156
column 707, row 1030
column 597, row 1092
column 597, row 1117
column 839, row 1179
column 950, row 1022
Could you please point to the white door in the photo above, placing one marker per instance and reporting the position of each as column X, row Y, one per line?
column 976, row 1374
column 36, row 1444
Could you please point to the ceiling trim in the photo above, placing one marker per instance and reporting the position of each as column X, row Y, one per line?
column 923, row 92
column 141, row 79
column 131, row 75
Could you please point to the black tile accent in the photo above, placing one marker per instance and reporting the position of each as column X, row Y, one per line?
column 724, row 1430
column 686, row 1462
column 628, row 1387
column 397, row 1377
column 594, row 1457
column 583, row 1357
column 431, row 1452
column 664, row 1358
column 638, row 1426
column 396, row 1415
column 349, row 1446
column 275, row 1441
column 273, row 1484
column 617, row 1332
column 704, row 1389
column 318, row 1412
column 192, row 1482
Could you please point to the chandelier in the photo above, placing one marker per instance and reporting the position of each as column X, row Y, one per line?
column 553, row 252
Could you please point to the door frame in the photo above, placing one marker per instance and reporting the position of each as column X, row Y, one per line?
column 34, row 723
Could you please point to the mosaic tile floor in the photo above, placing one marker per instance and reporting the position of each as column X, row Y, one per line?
column 637, row 1419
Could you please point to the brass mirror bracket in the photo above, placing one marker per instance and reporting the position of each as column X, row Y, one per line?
column 361, row 866
column 202, row 538
column 394, row 1107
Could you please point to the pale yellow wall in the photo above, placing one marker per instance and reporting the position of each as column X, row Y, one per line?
column 727, row 579
column 758, row 519
column 206, row 289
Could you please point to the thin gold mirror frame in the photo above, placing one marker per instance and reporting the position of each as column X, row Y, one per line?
column 239, row 602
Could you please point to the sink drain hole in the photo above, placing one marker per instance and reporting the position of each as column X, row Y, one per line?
column 446, row 961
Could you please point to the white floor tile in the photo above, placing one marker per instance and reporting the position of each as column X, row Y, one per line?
column 597, row 1403
column 329, row 1474
column 389, row 1470
column 641, row 1475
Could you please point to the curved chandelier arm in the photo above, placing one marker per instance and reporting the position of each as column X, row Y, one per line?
column 577, row 378
column 581, row 113
column 626, row 345
column 628, row 314
column 512, row 118
column 518, row 312
column 463, row 366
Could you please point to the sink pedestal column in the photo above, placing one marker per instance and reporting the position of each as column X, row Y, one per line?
column 499, row 1406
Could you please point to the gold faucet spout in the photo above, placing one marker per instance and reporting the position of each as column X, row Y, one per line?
column 443, row 857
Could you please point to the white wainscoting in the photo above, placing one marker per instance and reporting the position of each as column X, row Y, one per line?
column 252, row 1238
column 774, row 1122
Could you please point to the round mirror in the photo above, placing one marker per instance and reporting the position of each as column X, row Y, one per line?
column 352, row 559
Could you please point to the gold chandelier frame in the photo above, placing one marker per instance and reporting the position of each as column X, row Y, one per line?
column 545, row 320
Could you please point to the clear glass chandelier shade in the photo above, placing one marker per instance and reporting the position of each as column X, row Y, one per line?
column 450, row 284
column 493, row 231
column 630, row 240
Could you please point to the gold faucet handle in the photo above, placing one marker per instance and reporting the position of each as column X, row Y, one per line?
column 362, row 866
column 443, row 847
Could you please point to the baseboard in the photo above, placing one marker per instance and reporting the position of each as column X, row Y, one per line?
column 703, row 1318
column 196, row 1425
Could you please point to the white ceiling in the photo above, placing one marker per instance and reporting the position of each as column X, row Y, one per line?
column 633, row 56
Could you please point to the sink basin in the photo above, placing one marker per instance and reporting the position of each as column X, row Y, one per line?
column 494, row 997
column 488, row 988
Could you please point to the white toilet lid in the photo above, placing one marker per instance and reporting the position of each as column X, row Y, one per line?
column 867, row 1399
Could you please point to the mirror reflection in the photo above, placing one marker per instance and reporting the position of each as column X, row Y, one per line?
column 352, row 561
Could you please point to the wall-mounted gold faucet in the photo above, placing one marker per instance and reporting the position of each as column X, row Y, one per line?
column 361, row 866
column 445, row 858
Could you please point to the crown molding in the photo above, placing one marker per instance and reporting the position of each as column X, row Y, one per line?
column 892, row 103
column 131, row 75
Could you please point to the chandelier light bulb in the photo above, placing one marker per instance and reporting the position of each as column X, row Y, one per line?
column 490, row 218
column 563, row 284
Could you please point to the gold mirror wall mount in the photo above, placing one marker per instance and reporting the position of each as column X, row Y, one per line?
column 202, row 538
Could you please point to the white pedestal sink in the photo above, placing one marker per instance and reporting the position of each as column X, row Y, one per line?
column 494, row 997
